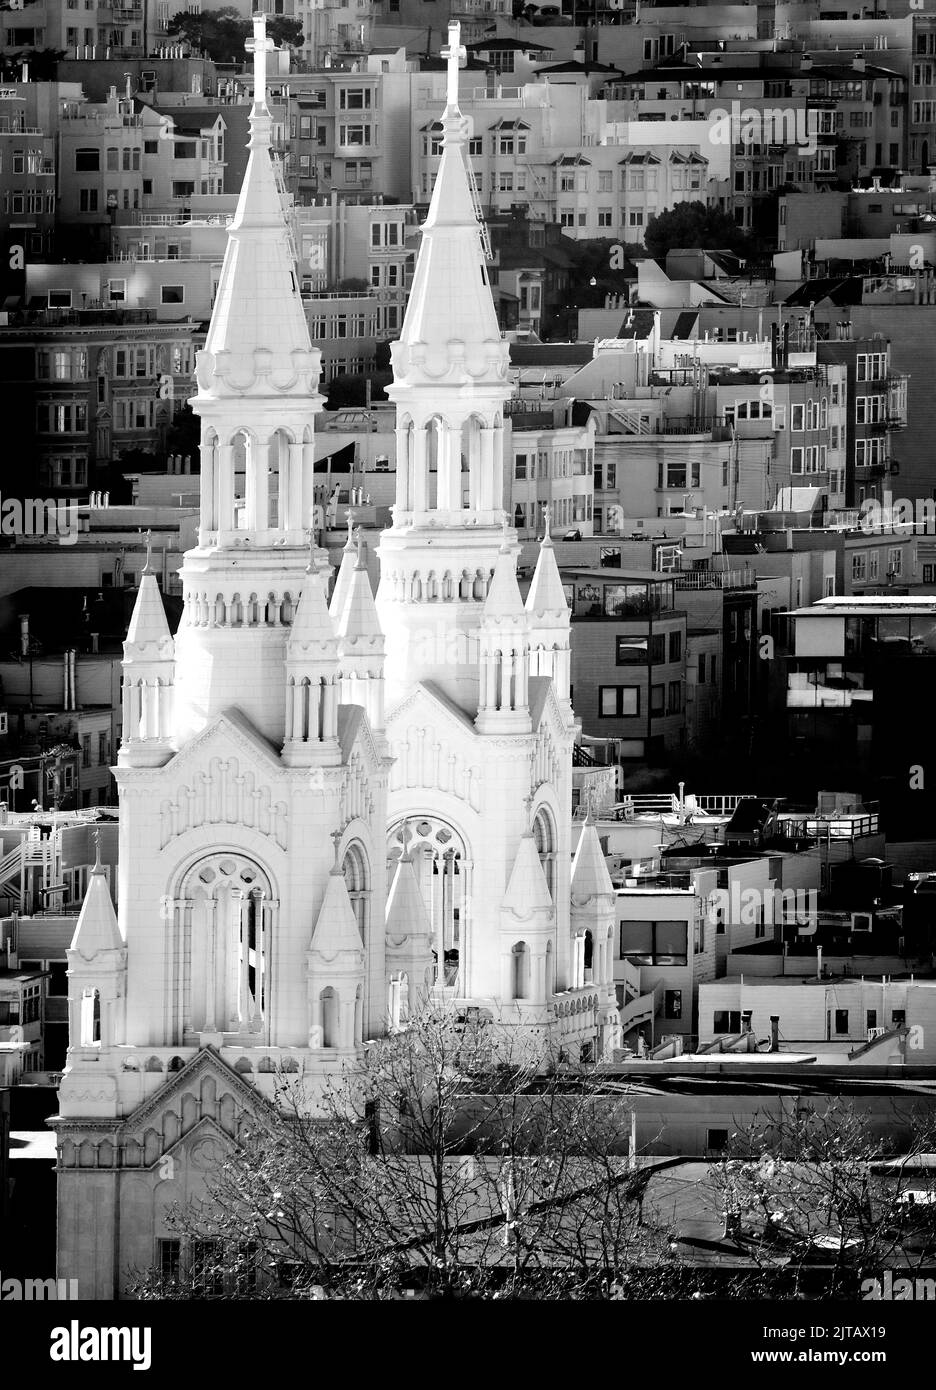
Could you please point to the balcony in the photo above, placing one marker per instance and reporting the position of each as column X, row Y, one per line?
column 695, row 580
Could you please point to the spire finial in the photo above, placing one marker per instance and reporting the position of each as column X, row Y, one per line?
column 404, row 840
column 349, row 543
column 359, row 542
column 505, row 526
column 149, row 552
column 528, row 805
column 547, row 521
column 260, row 46
column 98, row 867
column 310, row 567
column 337, row 836
column 454, row 53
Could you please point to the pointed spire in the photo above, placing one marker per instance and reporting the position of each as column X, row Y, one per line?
column 358, row 617
column 406, row 911
column 450, row 321
column 336, row 929
column 148, row 626
column 527, row 890
column 345, row 571
column 312, row 622
column 258, row 340
column 546, row 594
column 590, row 877
column 97, row 928
column 503, row 597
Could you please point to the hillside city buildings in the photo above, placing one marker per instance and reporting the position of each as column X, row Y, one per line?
column 475, row 578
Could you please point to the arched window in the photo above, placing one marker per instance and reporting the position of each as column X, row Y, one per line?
column 227, row 914
column 545, row 836
column 330, row 1017
column 354, row 866
column 520, row 960
column 90, row 1023
column 439, row 861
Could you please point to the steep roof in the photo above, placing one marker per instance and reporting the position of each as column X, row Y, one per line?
column 336, row 929
column 97, row 928
column 258, row 339
column 450, row 332
column 503, row 597
column 546, row 594
column 358, row 617
column 406, row 911
column 527, row 889
column 312, row 623
column 149, row 629
column 590, row 877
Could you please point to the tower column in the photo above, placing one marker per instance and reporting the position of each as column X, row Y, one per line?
column 486, row 500
column 404, row 466
column 420, row 474
column 258, row 486
column 291, row 502
column 449, row 473
column 208, row 499
column 226, row 519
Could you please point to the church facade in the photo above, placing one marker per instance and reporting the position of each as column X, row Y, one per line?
column 331, row 803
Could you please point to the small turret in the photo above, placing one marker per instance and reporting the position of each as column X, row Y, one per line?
column 97, row 965
column 503, row 701
column 361, row 645
column 335, row 971
column 548, row 612
column 312, row 685
column 148, row 680
column 409, row 942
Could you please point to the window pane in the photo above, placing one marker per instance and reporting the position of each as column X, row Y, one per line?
column 637, row 942
column 671, row 943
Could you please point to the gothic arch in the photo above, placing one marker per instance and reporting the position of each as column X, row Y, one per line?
column 443, row 872
column 225, row 913
column 544, row 833
column 356, row 869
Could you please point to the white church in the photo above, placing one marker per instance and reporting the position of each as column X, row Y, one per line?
column 330, row 802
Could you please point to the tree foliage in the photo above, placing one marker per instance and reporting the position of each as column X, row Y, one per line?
column 444, row 1166
column 824, row 1191
column 221, row 34
column 693, row 224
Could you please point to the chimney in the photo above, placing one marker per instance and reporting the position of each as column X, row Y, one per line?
column 818, row 962
column 775, row 1032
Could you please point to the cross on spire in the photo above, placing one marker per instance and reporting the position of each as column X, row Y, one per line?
column 337, row 836
column 547, row 521
column 311, row 565
column 359, row 541
column 259, row 46
column 149, row 552
column 456, row 55
column 349, row 517
column 96, row 837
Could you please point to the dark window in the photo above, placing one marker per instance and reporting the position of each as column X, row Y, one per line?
column 716, row 1139
column 658, row 699
column 871, row 1018
column 841, row 1020
column 87, row 161
column 675, row 646
column 168, row 1258
column 701, row 676
column 898, row 1018
column 726, row 1021
column 672, row 1003
column 631, row 651
column 655, row 943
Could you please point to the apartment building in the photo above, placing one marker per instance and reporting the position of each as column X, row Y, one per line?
column 553, row 466
column 349, row 131
column 628, row 659
column 370, row 241
column 85, row 383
